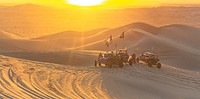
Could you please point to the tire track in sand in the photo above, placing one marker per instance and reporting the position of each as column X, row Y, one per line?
column 25, row 80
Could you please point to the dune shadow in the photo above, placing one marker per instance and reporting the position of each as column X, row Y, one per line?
column 63, row 58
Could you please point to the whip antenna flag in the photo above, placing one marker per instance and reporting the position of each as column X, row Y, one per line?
column 122, row 35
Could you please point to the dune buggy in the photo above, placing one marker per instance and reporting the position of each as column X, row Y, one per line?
column 124, row 55
column 109, row 59
column 149, row 58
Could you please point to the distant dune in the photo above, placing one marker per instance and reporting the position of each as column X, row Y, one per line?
column 95, row 39
column 71, row 34
column 7, row 35
column 33, row 21
column 174, row 43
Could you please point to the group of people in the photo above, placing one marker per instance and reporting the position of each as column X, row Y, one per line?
column 101, row 55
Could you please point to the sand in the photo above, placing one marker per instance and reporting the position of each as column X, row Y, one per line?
column 68, row 72
column 30, row 79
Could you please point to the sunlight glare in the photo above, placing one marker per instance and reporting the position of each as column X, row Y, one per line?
column 85, row 2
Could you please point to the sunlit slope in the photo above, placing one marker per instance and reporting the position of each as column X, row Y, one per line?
column 55, row 42
column 72, row 34
column 137, row 32
column 134, row 36
column 7, row 35
column 97, row 41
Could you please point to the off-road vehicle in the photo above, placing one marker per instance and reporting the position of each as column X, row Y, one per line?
column 110, row 59
column 124, row 54
column 149, row 58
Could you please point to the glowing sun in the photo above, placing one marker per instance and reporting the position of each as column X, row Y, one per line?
column 85, row 2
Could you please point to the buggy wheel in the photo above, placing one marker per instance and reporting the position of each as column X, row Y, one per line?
column 99, row 64
column 121, row 65
column 158, row 65
column 150, row 64
column 134, row 61
column 137, row 60
column 95, row 63
column 109, row 64
column 130, row 62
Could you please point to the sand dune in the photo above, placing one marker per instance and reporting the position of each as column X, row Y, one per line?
column 35, row 21
column 166, row 41
column 95, row 39
column 173, row 34
column 26, row 79
column 72, row 34
column 150, row 83
column 56, row 42
column 185, row 35
column 7, row 35
column 76, row 77
column 72, row 39
column 30, row 79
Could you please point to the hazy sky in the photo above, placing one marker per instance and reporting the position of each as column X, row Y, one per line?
column 108, row 3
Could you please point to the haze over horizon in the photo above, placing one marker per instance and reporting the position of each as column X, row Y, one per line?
column 107, row 3
column 31, row 20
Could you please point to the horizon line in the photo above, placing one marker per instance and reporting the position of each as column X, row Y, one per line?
column 164, row 5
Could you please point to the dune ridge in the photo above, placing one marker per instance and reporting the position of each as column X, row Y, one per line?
column 95, row 40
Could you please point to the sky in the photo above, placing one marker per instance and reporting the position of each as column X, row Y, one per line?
column 107, row 3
